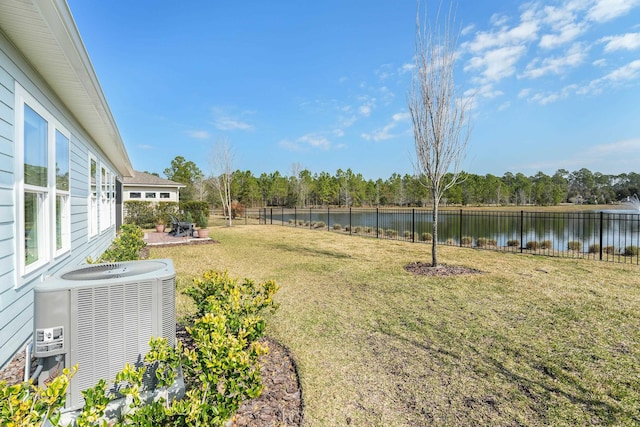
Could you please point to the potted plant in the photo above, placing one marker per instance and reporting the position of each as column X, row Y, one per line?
column 161, row 222
column 202, row 221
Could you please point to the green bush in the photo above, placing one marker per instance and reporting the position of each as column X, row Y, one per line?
column 220, row 371
column 125, row 247
column 532, row 245
column 466, row 240
column 139, row 213
column 319, row 224
column 337, row 227
column 594, row 248
column 406, row 234
column 426, row 237
column 202, row 220
column 194, row 209
column 630, row 250
column 163, row 211
column 575, row 245
column 513, row 243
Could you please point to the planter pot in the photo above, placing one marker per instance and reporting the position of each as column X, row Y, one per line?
column 160, row 228
column 203, row 233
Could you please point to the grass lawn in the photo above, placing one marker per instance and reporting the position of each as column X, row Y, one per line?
column 532, row 341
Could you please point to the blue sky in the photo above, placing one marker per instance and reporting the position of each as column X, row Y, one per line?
column 324, row 84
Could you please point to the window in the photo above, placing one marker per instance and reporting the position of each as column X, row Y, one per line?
column 149, row 195
column 42, row 192
column 164, row 195
column 135, row 195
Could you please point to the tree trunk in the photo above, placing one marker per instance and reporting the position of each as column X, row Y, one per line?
column 434, row 242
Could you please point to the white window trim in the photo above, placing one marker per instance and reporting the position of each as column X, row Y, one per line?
column 47, row 195
column 92, row 201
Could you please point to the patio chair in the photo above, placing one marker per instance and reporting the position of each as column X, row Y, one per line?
column 180, row 228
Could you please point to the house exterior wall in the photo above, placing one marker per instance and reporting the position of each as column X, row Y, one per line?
column 156, row 190
column 16, row 287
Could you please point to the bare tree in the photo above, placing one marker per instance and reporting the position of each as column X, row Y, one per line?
column 440, row 118
column 221, row 162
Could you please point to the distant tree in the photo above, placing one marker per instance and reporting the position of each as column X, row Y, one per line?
column 153, row 173
column 439, row 116
column 184, row 172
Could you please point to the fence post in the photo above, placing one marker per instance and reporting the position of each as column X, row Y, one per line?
column 413, row 225
column 310, row 226
column 350, row 225
column 460, row 228
column 295, row 216
column 521, row 231
column 282, row 216
column 271, row 216
column 328, row 219
column 601, row 230
column 377, row 223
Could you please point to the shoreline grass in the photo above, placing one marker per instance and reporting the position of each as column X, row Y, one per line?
column 531, row 341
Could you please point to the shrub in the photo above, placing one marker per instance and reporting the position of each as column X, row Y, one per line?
column 337, row 227
column 347, row 228
column 630, row 250
column 406, row 234
column 319, row 224
column 594, row 248
column 513, row 243
column 139, row 213
column 391, row 233
column 163, row 211
column 220, row 371
column 532, row 245
column 546, row 244
column 451, row 242
column 125, row 247
column 292, row 221
column 609, row 250
column 483, row 242
column 575, row 245
column 357, row 229
column 426, row 237
column 237, row 209
column 194, row 208
column 368, row 230
column 380, row 232
column 466, row 240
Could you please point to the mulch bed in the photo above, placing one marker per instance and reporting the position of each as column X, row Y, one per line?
column 426, row 269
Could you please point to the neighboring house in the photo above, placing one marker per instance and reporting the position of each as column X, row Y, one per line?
column 62, row 159
column 145, row 187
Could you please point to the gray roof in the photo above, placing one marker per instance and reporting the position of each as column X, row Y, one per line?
column 146, row 179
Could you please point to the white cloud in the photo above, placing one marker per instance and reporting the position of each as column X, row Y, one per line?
column 574, row 57
column 550, row 97
column 385, row 132
column 607, row 10
column 525, row 32
column 630, row 146
column 367, row 106
column 599, row 62
column 468, row 29
column 315, row 141
column 227, row 123
column 629, row 41
column 630, row 71
column 497, row 63
column 524, row 93
column 407, row 68
column 199, row 134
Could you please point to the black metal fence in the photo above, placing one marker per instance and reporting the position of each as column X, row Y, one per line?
column 612, row 236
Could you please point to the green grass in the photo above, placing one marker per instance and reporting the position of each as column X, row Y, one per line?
column 532, row 341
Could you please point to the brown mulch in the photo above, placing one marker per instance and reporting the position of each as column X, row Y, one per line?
column 280, row 403
column 442, row 270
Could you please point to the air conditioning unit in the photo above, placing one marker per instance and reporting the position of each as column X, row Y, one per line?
column 101, row 317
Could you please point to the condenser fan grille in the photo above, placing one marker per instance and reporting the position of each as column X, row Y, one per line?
column 112, row 270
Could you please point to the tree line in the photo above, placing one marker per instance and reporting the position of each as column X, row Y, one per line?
column 349, row 189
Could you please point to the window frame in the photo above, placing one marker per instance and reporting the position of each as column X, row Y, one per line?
column 46, row 206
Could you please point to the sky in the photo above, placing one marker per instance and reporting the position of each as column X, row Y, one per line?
column 323, row 85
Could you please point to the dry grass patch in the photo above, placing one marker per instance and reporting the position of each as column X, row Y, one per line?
column 531, row 341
